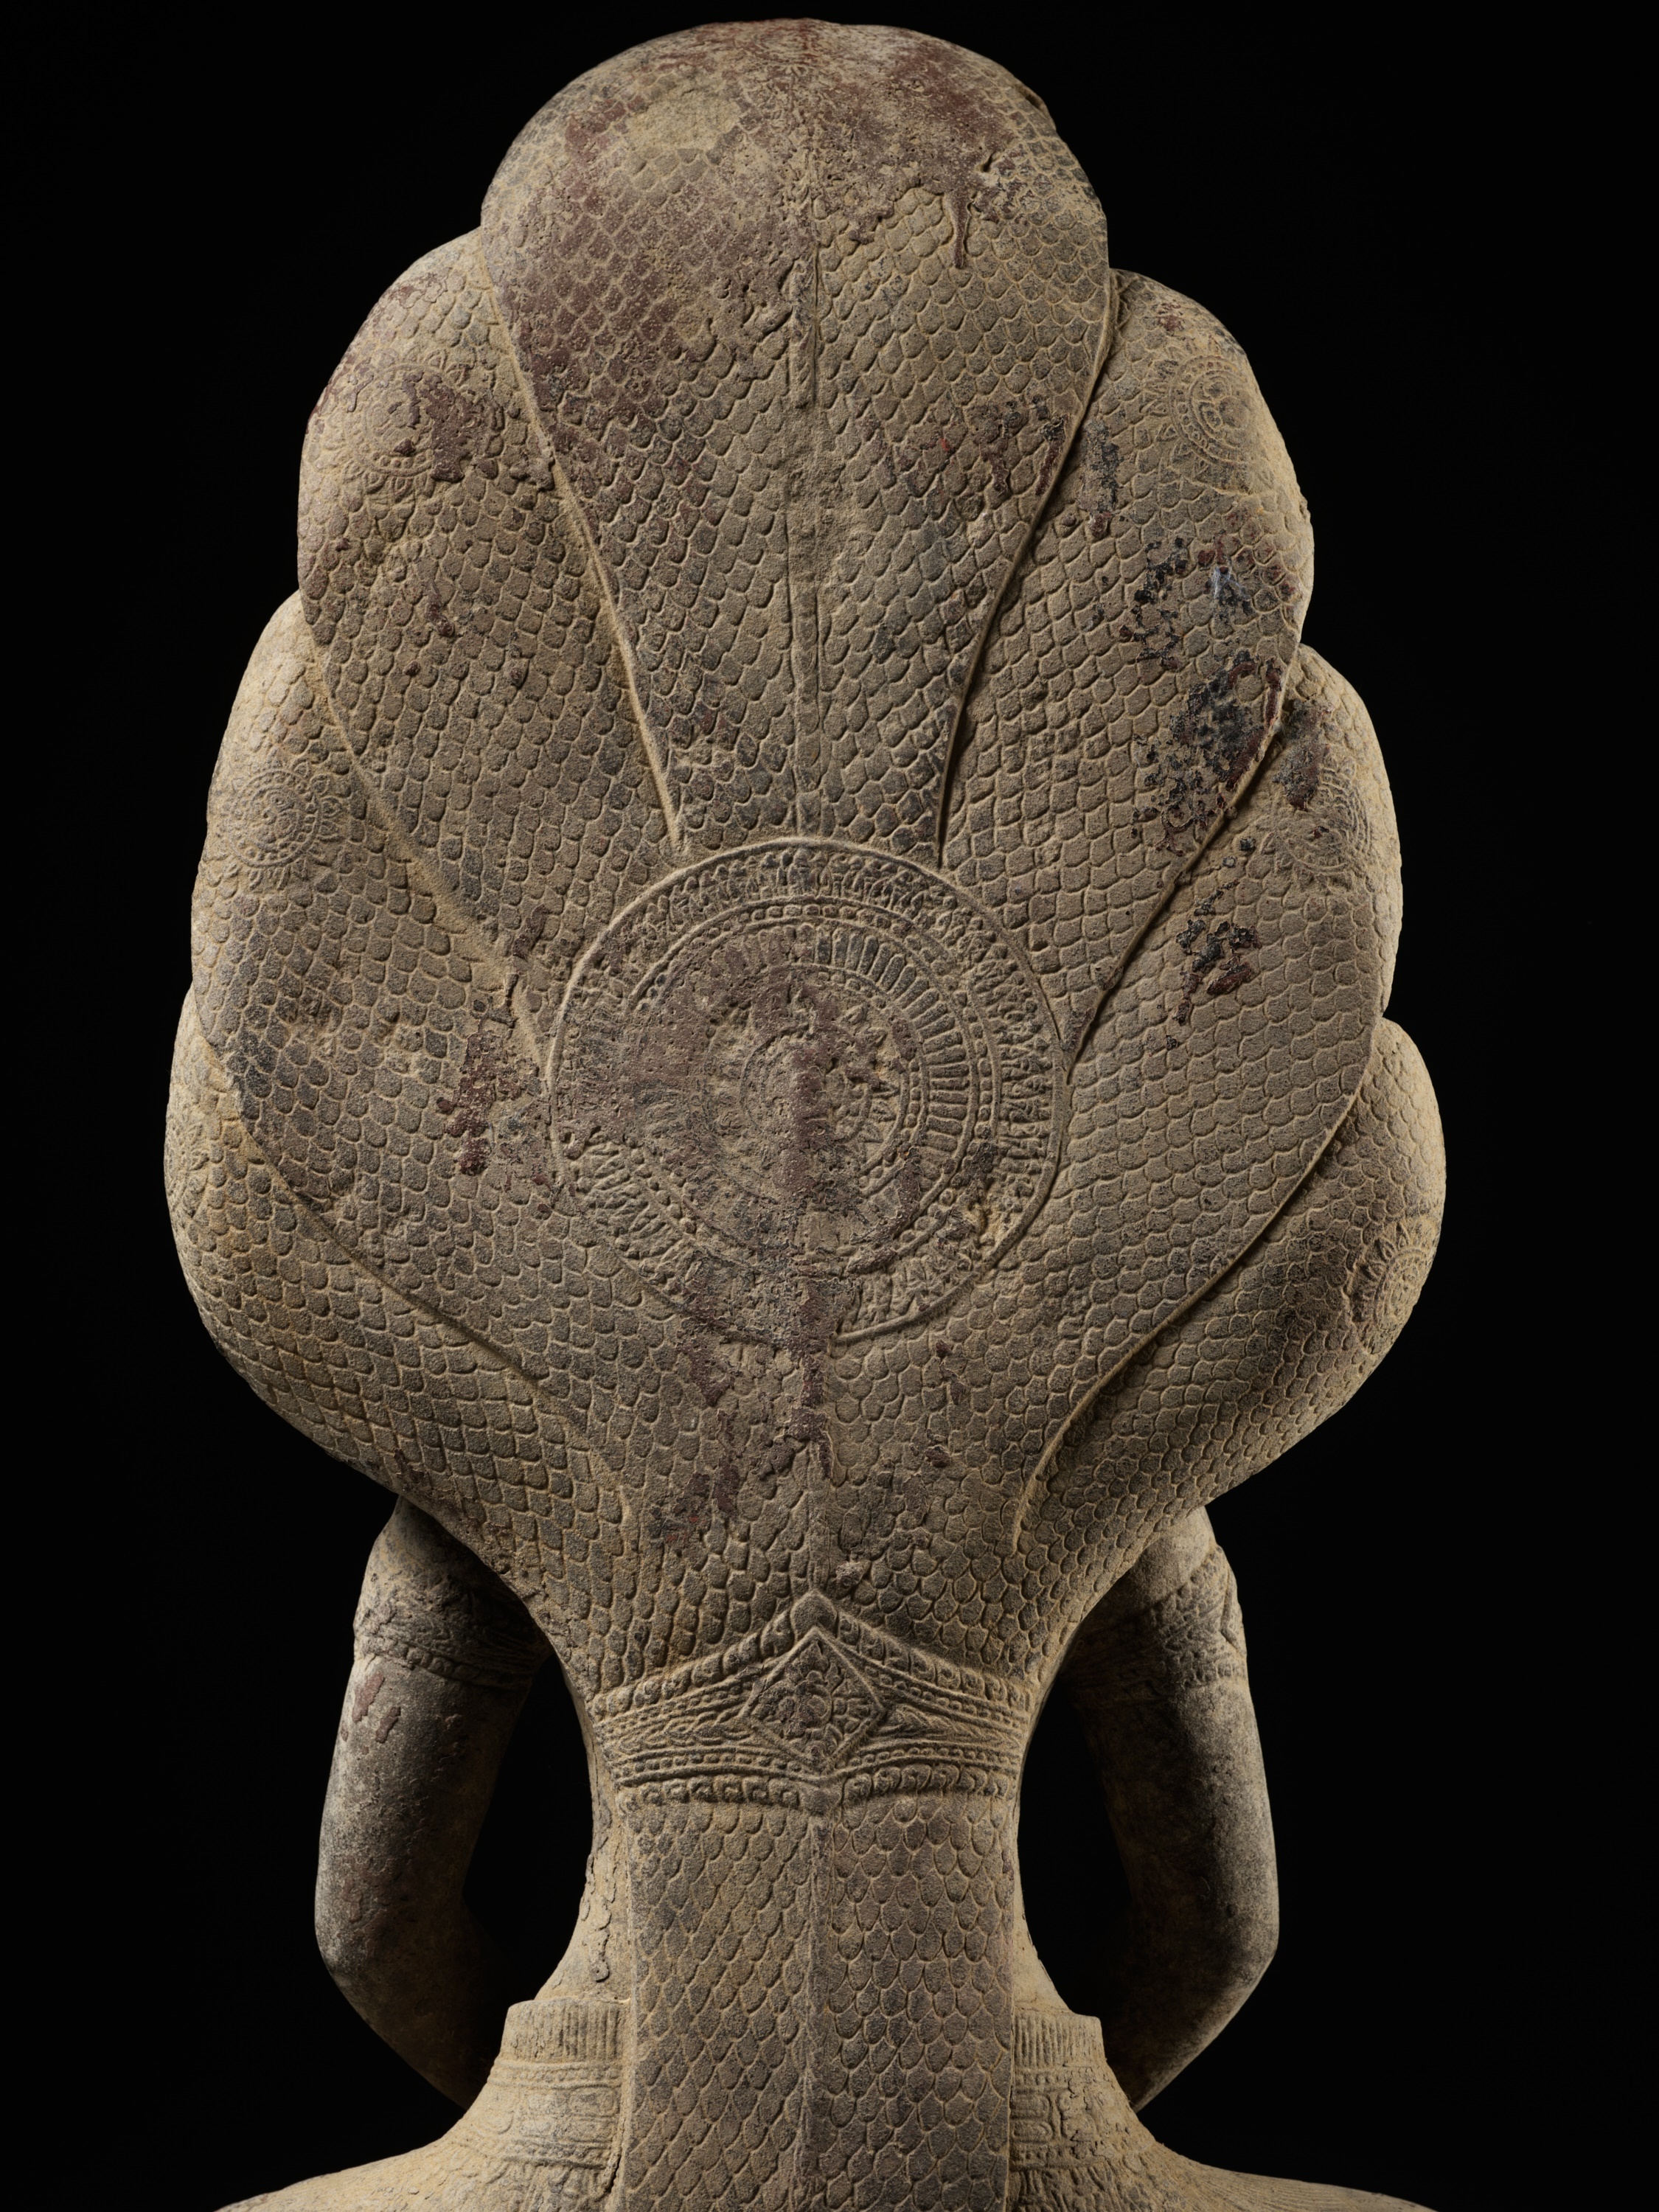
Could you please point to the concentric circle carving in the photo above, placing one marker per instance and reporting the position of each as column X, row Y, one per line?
column 1326, row 828
column 274, row 819
column 393, row 431
column 389, row 420
column 272, row 823
column 1213, row 408
column 1388, row 1281
column 806, row 1090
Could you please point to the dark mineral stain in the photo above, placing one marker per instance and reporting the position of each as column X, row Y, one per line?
column 488, row 1079
column 1306, row 750
column 1210, row 949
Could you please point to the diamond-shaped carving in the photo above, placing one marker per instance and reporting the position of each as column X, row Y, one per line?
column 815, row 1702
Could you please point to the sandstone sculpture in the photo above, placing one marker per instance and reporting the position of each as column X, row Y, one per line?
column 787, row 1045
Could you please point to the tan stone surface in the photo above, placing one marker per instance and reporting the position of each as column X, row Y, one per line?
column 787, row 1044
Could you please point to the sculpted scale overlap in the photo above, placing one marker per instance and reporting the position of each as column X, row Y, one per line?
column 787, row 1044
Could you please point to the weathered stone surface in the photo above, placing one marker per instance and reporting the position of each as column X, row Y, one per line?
column 788, row 1045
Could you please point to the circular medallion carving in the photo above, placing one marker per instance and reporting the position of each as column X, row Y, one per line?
column 1213, row 408
column 1389, row 1280
column 1326, row 827
column 276, row 816
column 391, row 418
column 393, row 431
column 806, row 1090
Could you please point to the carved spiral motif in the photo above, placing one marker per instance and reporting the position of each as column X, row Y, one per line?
column 273, row 818
column 806, row 1090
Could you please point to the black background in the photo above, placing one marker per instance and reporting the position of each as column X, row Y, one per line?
column 1344, row 199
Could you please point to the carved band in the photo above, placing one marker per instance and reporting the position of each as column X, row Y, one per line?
column 822, row 1711
column 1069, row 2117
column 464, row 1646
column 555, row 2094
column 1186, row 1641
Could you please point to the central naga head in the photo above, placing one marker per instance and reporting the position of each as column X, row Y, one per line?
column 787, row 1044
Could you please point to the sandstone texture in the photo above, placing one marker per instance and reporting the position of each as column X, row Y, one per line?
column 788, row 1043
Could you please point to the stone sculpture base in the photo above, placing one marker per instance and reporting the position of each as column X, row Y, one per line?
column 543, row 2136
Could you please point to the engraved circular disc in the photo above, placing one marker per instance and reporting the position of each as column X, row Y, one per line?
column 274, row 819
column 1327, row 828
column 1211, row 407
column 1388, row 1281
column 806, row 1090
column 389, row 416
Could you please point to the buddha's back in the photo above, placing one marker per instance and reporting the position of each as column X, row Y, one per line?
column 788, row 1043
